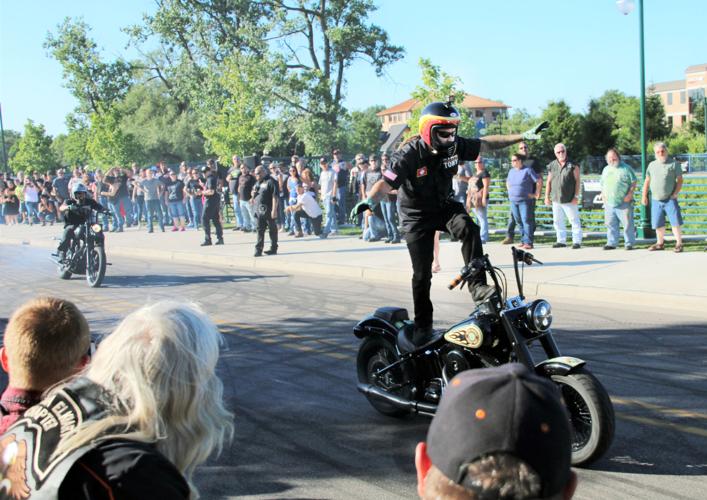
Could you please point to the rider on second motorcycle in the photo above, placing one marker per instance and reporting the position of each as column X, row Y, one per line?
column 422, row 171
column 74, row 217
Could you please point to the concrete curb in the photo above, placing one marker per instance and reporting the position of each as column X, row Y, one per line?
column 690, row 304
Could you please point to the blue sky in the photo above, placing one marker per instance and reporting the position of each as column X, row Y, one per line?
column 524, row 53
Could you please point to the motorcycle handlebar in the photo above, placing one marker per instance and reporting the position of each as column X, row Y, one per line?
column 455, row 282
column 524, row 256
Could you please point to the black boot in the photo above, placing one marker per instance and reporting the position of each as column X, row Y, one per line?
column 206, row 243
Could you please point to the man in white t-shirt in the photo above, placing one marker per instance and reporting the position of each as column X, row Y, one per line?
column 307, row 207
column 327, row 190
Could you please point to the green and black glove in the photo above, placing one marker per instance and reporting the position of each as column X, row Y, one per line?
column 361, row 206
column 533, row 134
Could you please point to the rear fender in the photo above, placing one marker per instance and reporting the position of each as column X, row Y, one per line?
column 561, row 365
column 372, row 325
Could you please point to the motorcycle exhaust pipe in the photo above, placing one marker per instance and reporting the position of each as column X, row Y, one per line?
column 421, row 407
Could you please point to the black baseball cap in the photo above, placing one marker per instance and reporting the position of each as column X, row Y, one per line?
column 506, row 409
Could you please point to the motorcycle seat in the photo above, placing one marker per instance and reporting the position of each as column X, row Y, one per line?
column 392, row 315
column 407, row 344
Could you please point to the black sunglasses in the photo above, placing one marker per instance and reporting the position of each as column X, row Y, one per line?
column 446, row 135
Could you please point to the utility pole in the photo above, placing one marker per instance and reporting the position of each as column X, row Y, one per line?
column 5, row 166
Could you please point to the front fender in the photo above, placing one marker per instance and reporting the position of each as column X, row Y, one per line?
column 558, row 366
column 372, row 325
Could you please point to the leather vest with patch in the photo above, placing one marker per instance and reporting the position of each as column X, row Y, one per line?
column 27, row 468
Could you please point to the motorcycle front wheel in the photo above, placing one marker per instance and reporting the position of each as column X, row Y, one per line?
column 96, row 267
column 375, row 354
column 64, row 269
column 591, row 415
column 64, row 272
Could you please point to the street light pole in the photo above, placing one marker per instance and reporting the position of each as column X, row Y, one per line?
column 2, row 138
column 645, row 230
column 626, row 7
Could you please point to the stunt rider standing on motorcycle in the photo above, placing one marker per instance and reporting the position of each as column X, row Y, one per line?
column 74, row 216
column 422, row 171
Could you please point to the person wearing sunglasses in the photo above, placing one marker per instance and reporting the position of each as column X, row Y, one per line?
column 422, row 171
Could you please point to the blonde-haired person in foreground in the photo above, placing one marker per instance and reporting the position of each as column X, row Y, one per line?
column 46, row 340
column 145, row 413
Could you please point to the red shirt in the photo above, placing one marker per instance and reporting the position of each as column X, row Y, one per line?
column 14, row 403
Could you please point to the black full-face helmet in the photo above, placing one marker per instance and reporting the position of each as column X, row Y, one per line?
column 78, row 189
column 438, row 115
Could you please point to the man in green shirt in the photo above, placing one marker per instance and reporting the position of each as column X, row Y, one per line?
column 617, row 185
column 664, row 179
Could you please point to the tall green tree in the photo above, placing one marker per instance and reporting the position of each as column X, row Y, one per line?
column 70, row 149
column 363, row 131
column 438, row 85
column 160, row 128
column 697, row 124
column 599, row 125
column 107, row 144
column 94, row 83
column 565, row 127
column 239, row 124
column 302, row 49
column 12, row 137
column 34, row 150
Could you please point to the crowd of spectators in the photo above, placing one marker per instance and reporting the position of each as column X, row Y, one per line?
column 174, row 197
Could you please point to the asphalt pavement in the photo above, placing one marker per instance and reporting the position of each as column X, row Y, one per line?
column 661, row 280
column 302, row 430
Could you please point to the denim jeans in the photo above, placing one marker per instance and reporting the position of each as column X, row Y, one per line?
column 375, row 230
column 32, row 212
column 118, row 219
column 330, row 209
column 128, row 207
column 154, row 209
column 621, row 214
column 196, row 209
column 247, row 213
column 562, row 211
column 237, row 210
column 341, row 193
column 522, row 214
column 388, row 208
column 139, row 209
column 482, row 218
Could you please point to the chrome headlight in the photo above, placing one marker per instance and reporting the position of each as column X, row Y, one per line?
column 539, row 316
column 97, row 228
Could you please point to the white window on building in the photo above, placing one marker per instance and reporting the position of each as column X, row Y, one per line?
column 682, row 97
column 670, row 98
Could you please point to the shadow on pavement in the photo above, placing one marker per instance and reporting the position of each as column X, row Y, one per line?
column 171, row 280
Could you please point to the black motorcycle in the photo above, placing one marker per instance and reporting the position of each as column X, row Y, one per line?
column 86, row 254
column 401, row 375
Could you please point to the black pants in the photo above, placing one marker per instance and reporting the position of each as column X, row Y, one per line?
column 211, row 215
column 263, row 222
column 69, row 231
column 459, row 224
column 316, row 222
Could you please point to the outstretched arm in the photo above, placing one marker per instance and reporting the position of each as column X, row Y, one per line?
column 491, row 142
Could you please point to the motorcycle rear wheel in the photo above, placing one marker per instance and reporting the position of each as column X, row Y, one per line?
column 96, row 268
column 591, row 415
column 374, row 354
